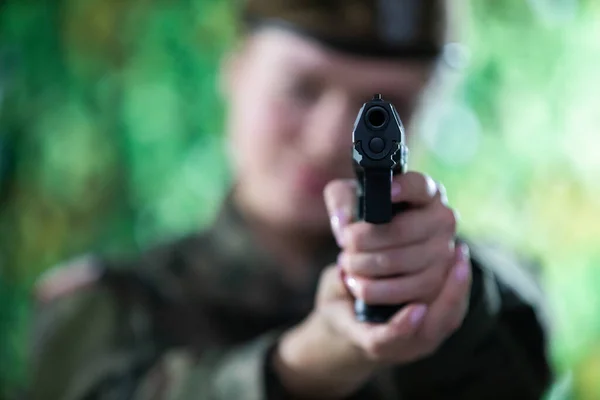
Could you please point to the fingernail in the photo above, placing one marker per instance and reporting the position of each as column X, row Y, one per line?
column 443, row 194
column 465, row 253
column 396, row 189
column 456, row 215
column 462, row 271
column 340, row 260
column 351, row 283
column 432, row 186
column 338, row 223
column 417, row 314
column 452, row 244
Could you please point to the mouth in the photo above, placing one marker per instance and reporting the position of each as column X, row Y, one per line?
column 312, row 182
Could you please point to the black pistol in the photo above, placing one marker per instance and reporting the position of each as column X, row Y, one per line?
column 379, row 153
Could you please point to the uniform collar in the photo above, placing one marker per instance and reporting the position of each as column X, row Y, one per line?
column 247, row 268
column 232, row 231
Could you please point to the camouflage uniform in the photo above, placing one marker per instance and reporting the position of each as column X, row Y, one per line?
column 198, row 318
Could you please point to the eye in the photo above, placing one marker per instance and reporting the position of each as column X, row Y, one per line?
column 304, row 90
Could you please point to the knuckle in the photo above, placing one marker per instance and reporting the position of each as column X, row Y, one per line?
column 345, row 260
column 416, row 182
column 352, row 237
column 448, row 218
column 410, row 176
column 446, row 250
column 382, row 262
column 351, row 263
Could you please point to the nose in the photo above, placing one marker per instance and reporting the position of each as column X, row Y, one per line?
column 328, row 131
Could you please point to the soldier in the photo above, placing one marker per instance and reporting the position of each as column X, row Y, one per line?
column 259, row 306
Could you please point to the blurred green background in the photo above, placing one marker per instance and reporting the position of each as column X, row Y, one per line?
column 110, row 130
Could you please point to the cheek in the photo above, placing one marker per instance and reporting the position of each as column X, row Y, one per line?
column 263, row 132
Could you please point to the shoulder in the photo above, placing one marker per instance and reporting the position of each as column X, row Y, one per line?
column 115, row 292
column 76, row 317
column 72, row 296
column 68, row 278
column 102, row 298
column 158, row 265
column 516, row 277
column 519, row 271
column 92, row 314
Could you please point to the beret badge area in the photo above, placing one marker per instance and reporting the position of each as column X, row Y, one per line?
column 388, row 28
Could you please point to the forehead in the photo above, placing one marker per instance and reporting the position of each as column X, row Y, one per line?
column 285, row 53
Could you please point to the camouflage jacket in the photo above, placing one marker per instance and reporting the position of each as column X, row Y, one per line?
column 198, row 318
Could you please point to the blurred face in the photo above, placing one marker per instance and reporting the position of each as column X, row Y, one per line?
column 292, row 106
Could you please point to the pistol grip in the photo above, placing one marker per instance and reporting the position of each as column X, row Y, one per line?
column 377, row 196
column 375, row 206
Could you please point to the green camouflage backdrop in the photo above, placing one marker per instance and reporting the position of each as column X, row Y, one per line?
column 110, row 140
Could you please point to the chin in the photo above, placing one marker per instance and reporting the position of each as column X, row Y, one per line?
column 303, row 214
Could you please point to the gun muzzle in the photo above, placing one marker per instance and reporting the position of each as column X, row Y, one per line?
column 377, row 117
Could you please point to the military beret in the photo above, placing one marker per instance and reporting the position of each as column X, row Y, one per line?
column 384, row 28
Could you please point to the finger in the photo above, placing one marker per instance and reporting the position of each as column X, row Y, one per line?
column 374, row 339
column 378, row 339
column 340, row 200
column 443, row 193
column 422, row 287
column 407, row 228
column 398, row 261
column 447, row 312
column 414, row 188
column 332, row 286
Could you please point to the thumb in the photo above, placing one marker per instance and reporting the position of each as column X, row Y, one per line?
column 331, row 286
column 340, row 200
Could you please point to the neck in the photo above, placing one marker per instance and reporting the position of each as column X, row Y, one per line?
column 298, row 251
